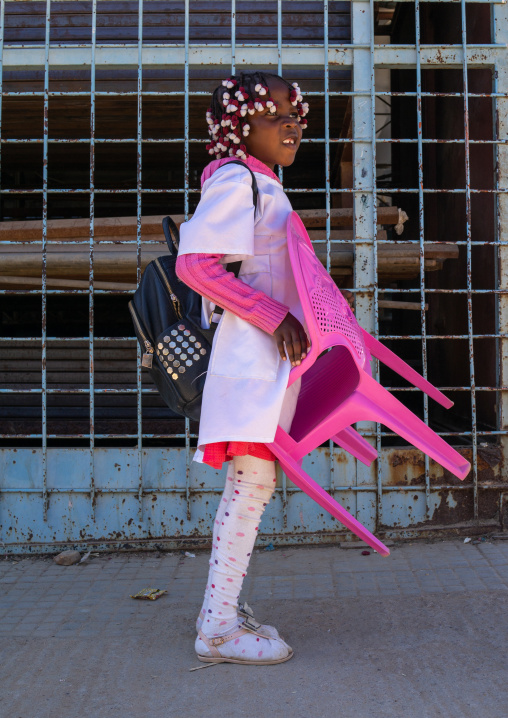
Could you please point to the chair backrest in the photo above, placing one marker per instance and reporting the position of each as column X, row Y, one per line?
column 326, row 311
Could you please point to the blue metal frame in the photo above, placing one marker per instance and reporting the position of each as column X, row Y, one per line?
column 47, row 473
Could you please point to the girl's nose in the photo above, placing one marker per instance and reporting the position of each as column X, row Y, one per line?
column 291, row 121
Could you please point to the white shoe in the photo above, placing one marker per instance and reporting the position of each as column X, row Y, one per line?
column 242, row 646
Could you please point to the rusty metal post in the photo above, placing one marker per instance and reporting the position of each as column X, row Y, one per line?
column 364, row 202
column 500, row 80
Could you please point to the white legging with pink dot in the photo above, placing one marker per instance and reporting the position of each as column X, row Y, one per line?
column 249, row 487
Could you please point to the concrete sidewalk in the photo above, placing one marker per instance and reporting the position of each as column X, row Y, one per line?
column 420, row 634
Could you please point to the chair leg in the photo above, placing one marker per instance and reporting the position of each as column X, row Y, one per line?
column 355, row 444
column 394, row 362
column 379, row 405
column 321, row 497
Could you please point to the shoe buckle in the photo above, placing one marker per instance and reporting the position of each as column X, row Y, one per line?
column 250, row 624
column 217, row 641
column 245, row 610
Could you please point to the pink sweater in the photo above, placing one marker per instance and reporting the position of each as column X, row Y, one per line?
column 206, row 275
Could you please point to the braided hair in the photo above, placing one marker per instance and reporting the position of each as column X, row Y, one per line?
column 234, row 100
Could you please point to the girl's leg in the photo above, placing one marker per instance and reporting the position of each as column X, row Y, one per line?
column 254, row 480
column 270, row 631
column 228, row 490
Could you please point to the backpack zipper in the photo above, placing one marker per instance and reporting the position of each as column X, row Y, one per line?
column 173, row 297
column 147, row 359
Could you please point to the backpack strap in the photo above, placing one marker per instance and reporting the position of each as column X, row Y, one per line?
column 254, row 182
column 172, row 234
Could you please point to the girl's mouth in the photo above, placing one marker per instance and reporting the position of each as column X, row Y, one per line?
column 289, row 142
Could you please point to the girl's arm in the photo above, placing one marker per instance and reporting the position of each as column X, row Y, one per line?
column 206, row 275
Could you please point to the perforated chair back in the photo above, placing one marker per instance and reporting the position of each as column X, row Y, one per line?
column 320, row 296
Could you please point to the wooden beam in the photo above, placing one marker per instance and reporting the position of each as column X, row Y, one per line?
column 111, row 227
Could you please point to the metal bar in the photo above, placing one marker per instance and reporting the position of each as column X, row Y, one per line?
column 126, row 391
column 284, row 479
column 156, row 243
column 310, row 190
column 367, row 434
column 383, row 336
column 139, row 180
column 279, row 61
column 45, row 497
column 474, row 461
column 186, row 207
column 326, row 87
column 379, row 478
column 91, row 277
column 118, row 56
column 214, row 490
column 179, row 140
column 2, row 22
column 233, row 36
column 499, row 15
column 73, row 390
column 196, row 93
column 421, row 230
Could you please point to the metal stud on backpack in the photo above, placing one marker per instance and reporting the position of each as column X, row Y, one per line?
column 167, row 320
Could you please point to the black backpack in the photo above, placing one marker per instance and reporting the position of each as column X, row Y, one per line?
column 167, row 320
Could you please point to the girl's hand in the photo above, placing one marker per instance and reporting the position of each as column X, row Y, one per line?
column 292, row 334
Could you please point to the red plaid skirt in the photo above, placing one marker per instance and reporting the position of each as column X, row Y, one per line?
column 217, row 453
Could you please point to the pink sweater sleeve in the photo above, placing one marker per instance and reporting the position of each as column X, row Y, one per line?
column 207, row 276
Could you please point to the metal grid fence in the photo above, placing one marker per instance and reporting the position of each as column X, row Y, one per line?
column 363, row 56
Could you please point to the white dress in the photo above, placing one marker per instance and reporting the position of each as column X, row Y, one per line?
column 245, row 396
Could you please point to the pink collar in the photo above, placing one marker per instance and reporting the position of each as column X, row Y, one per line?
column 255, row 165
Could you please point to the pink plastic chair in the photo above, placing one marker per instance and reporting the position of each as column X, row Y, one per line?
column 338, row 389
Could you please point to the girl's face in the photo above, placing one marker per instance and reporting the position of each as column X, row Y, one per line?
column 268, row 131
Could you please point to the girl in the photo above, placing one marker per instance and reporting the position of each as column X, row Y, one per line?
column 258, row 118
